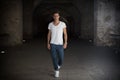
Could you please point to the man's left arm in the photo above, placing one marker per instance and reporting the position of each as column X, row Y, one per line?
column 65, row 38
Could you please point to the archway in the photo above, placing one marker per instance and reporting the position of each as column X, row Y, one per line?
column 42, row 16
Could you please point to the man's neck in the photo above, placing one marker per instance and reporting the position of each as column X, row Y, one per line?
column 56, row 21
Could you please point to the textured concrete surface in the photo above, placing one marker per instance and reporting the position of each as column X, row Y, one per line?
column 11, row 22
column 83, row 61
column 86, row 19
column 106, row 21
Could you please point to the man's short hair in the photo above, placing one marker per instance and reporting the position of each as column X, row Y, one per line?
column 56, row 11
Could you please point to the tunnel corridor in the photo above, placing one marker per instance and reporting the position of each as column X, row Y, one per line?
column 42, row 17
column 93, row 28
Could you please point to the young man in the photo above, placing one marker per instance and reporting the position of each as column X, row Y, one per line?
column 55, row 43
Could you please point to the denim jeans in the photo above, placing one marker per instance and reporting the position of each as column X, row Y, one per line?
column 57, row 54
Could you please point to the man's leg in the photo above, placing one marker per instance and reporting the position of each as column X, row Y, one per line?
column 60, row 50
column 54, row 56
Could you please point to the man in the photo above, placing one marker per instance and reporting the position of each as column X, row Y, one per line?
column 55, row 43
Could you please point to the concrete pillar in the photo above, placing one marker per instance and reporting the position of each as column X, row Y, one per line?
column 104, row 22
column 11, row 22
column 27, row 19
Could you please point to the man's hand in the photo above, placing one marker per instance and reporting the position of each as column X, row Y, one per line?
column 48, row 46
column 65, row 46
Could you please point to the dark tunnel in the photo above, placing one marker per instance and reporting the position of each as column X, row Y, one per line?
column 93, row 46
column 42, row 17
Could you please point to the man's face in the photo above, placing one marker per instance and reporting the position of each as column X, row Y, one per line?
column 56, row 16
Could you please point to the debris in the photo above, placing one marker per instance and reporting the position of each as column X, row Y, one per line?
column 2, row 52
column 90, row 40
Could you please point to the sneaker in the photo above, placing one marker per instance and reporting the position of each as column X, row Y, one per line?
column 59, row 67
column 56, row 74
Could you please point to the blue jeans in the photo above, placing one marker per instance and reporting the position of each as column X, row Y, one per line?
column 57, row 54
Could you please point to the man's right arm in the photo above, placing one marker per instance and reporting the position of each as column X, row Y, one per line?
column 48, row 39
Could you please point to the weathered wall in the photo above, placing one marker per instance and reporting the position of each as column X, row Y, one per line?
column 11, row 22
column 105, row 23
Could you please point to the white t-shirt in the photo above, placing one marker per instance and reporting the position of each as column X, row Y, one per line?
column 57, row 33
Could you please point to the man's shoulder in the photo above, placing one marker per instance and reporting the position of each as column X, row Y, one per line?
column 63, row 23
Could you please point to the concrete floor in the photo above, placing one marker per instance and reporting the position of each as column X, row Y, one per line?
column 83, row 61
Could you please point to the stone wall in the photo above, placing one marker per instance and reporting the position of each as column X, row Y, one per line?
column 11, row 22
column 105, row 22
